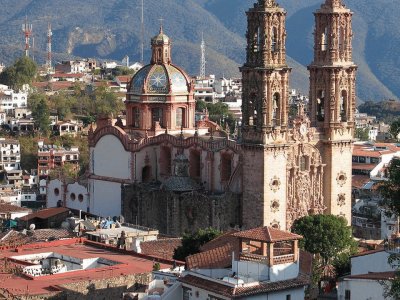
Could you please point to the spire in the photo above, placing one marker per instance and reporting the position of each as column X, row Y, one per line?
column 161, row 25
column 334, row 3
column 268, row 3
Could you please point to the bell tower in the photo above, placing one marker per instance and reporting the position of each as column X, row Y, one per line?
column 161, row 48
column 332, row 101
column 265, row 78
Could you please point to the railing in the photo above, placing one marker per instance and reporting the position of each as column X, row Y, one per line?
column 283, row 259
column 254, row 258
column 393, row 246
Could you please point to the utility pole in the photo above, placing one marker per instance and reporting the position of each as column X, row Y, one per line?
column 49, row 52
column 142, row 35
column 203, row 58
column 27, row 30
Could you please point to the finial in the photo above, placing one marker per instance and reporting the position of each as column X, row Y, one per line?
column 181, row 132
column 196, row 130
column 161, row 25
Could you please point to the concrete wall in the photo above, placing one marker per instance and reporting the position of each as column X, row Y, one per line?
column 376, row 262
column 105, row 198
column 361, row 290
column 110, row 159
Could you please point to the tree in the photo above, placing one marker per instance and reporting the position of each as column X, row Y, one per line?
column 326, row 235
column 191, row 243
column 40, row 112
column 362, row 134
column 390, row 189
column 28, row 153
column 201, row 105
column 23, row 71
column 395, row 129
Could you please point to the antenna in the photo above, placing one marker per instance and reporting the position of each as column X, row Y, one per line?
column 49, row 53
column 33, row 48
column 203, row 58
column 142, row 35
column 27, row 30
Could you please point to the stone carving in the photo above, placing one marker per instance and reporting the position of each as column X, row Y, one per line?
column 274, row 205
column 341, row 178
column 275, row 183
column 341, row 199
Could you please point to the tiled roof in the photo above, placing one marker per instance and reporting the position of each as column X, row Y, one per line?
column 45, row 213
column 239, row 292
column 52, row 234
column 374, row 276
column 358, row 181
column 217, row 258
column 225, row 239
column 8, row 208
column 268, row 234
column 161, row 248
column 368, row 167
column 368, row 252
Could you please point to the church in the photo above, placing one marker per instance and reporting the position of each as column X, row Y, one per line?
column 164, row 169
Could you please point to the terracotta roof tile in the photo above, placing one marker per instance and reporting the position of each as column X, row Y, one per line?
column 374, row 276
column 45, row 213
column 224, row 239
column 229, row 290
column 368, row 167
column 220, row 257
column 161, row 248
column 268, row 234
column 358, row 181
column 8, row 208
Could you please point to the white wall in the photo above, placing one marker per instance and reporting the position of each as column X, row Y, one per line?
column 376, row 262
column 110, row 159
column 77, row 189
column 52, row 198
column 361, row 289
column 105, row 198
column 296, row 294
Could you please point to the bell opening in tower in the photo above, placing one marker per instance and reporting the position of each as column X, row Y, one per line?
column 321, row 106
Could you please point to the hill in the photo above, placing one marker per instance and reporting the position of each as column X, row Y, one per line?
column 111, row 29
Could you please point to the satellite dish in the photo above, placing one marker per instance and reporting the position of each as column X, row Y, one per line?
column 32, row 227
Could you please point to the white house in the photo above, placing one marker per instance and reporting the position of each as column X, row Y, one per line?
column 71, row 195
column 10, row 99
column 368, row 271
column 10, row 154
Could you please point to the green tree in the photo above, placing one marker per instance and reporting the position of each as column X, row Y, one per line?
column 191, row 243
column 201, row 105
column 325, row 235
column 28, row 153
column 395, row 129
column 23, row 71
column 40, row 112
column 362, row 134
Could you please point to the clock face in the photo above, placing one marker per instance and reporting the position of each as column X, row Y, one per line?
column 158, row 80
column 303, row 129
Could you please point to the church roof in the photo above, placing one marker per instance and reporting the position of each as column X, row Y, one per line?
column 268, row 234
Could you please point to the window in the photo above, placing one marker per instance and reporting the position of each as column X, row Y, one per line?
column 73, row 196
column 146, row 174
column 343, row 106
column 165, row 161
column 157, row 115
column 321, row 106
column 303, row 163
column 226, row 167
column 80, row 198
column 274, row 40
column 324, row 40
column 186, row 293
column 276, row 110
column 347, row 295
column 56, row 191
column 211, row 297
column 362, row 159
column 136, row 117
column 288, row 297
column 180, row 113
column 195, row 164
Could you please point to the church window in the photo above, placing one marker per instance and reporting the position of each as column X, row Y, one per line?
column 146, row 174
column 180, row 117
column 166, row 53
column 324, row 39
column 56, row 191
column 303, row 163
column 157, row 115
column 195, row 164
column 276, row 110
column 226, row 167
column 80, row 198
column 321, row 106
column 274, row 39
column 257, row 40
column 159, row 54
column 136, row 117
column 343, row 106
column 341, row 39
column 73, row 196
column 165, row 161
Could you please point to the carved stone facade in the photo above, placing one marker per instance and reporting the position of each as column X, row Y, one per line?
column 314, row 151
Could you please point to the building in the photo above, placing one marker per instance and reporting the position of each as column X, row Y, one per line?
column 276, row 172
column 204, row 89
column 73, row 269
column 67, row 194
column 266, row 266
column 10, row 154
column 368, row 271
column 10, row 194
column 51, row 157
column 11, row 212
column 67, row 128
column 10, row 99
column 45, row 218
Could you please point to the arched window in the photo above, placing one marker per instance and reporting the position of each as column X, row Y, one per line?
column 159, row 54
column 343, row 106
column 276, row 110
column 303, row 163
column 165, row 161
column 136, row 117
column 324, row 39
column 166, row 53
column 195, row 164
column 157, row 115
column 274, row 39
column 251, row 109
column 257, row 40
column 341, row 39
column 321, row 106
column 180, row 117
column 226, row 166
column 146, row 174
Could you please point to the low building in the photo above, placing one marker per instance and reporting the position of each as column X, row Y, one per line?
column 11, row 212
column 45, row 218
column 62, row 128
column 10, row 194
column 10, row 154
column 10, row 99
column 266, row 266
column 368, row 271
column 51, row 157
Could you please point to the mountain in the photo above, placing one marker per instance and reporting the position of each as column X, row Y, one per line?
column 111, row 29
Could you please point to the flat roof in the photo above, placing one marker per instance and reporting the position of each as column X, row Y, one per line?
column 129, row 264
column 113, row 232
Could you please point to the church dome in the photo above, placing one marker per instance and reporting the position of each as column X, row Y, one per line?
column 160, row 79
column 160, row 76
